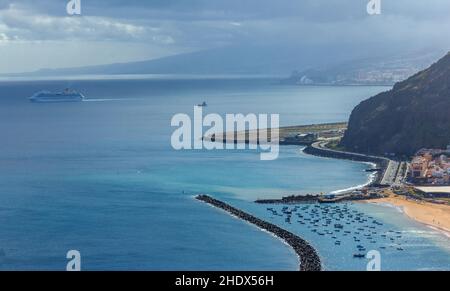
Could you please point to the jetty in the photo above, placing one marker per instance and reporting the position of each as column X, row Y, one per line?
column 292, row 199
column 356, row 195
column 302, row 135
column 309, row 259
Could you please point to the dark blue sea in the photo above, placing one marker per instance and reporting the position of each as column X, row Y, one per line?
column 101, row 177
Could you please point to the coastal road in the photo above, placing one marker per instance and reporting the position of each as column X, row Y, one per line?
column 390, row 175
column 401, row 174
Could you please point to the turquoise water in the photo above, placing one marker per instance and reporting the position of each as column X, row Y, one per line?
column 101, row 177
column 402, row 243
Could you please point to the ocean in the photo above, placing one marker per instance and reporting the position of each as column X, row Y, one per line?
column 102, row 178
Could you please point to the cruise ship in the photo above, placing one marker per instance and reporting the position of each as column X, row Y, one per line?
column 67, row 95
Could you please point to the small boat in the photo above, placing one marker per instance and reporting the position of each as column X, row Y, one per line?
column 359, row 256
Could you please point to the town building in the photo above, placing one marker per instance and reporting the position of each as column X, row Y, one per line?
column 431, row 167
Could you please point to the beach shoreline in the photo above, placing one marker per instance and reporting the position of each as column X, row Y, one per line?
column 435, row 216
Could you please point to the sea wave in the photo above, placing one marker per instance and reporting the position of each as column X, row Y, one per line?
column 372, row 178
column 390, row 205
column 106, row 100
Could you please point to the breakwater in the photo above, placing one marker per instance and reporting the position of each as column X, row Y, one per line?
column 319, row 149
column 302, row 199
column 293, row 199
column 309, row 259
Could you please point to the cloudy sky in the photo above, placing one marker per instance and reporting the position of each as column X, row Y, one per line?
column 39, row 34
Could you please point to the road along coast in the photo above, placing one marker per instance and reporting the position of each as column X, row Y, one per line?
column 320, row 149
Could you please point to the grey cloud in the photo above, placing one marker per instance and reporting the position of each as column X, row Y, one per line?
column 201, row 24
column 315, row 10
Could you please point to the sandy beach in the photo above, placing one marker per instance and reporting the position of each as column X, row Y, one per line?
column 434, row 215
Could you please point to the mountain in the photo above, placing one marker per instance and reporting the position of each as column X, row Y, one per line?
column 245, row 58
column 248, row 59
column 413, row 115
column 381, row 70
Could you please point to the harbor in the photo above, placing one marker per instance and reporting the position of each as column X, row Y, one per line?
column 309, row 259
column 343, row 225
column 356, row 195
column 317, row 140
column 388, row 183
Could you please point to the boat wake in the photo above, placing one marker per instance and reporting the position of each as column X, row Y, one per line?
column 105, row 100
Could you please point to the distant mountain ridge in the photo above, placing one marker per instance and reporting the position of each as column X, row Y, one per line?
column 264, row 60
column 258, row 59
column 415, row 114
column 370, row 71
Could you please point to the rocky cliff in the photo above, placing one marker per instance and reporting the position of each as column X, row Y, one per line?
column 413, row 115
